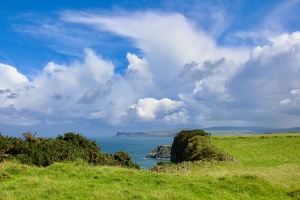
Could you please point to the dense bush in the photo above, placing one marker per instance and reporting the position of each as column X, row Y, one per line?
column 67, row 147
column 124, row 159
column 199, row 148
column 194, row 145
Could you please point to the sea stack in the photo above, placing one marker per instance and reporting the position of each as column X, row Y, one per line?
column 163, row 151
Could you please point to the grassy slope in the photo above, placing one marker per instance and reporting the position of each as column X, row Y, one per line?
column 276, row 158
column 266, row 168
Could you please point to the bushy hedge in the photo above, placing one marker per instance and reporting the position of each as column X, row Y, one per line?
column 67, row 147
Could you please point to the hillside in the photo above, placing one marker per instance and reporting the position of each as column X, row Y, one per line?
column 267, row 167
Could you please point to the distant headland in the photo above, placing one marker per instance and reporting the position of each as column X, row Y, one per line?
column 168, row 133
column 219, row 130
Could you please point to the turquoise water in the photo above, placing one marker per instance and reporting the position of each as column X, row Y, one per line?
column 138, row 148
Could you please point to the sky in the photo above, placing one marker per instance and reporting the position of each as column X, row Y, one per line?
column 98, row 67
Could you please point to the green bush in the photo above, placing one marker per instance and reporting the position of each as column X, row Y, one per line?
column 67, row 147
column 124, row 159
column 194, row 145
column 199, row 148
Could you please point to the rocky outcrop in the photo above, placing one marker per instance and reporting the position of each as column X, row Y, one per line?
column 163, row 151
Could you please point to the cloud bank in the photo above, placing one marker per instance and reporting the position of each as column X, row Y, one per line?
column 179, row 76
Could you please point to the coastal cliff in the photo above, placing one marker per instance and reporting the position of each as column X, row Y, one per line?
column 163, row 151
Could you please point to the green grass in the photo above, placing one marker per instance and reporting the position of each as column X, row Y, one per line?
column 265, row 168
column 274, row 157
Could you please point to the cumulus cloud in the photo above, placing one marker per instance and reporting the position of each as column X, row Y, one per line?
column 291, row 105
column 176, row 43
column 93, row 70
column 195, row 71
column 168, row 40
column 268, row 77
column 209, row 79
column 151, row 110
column 180, row 117
column 10, row 76
column 89, row 90
column 179, row 75
column 262, row 91
column 60, row 87
column 92, row 95
column 137, row 71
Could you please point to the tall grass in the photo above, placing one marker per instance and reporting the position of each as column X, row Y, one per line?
column 265, row 168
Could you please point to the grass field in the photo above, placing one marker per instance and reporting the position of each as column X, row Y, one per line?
column 266, row 167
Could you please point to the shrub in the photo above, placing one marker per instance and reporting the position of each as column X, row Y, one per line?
column 200, row 149
column 124, row 159
column 194, row 145
column 67, row 147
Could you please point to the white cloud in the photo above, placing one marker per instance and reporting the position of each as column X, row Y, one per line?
column 292, row 105
column 10, row 76
column 61, row 88
column 80, row 90
column 180, row 117
column 92, row 95
column 168, row 40
column 210, row 79
column 268, row 77
column 152, row 110
column 180, row 75
column 137, row 71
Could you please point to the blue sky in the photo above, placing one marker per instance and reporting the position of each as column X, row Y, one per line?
column 97, row 67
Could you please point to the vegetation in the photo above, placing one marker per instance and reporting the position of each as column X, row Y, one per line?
column 68, row 147
column 192, row 145
column 265, row 167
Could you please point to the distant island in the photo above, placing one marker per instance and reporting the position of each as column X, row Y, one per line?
column 168, row 133
column 218, row 130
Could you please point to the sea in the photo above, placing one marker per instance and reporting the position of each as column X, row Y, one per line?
column 138, row 148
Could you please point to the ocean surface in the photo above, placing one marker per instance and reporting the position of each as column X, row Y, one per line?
column 138, row 148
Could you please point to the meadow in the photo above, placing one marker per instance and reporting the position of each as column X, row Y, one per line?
column 266, row 167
